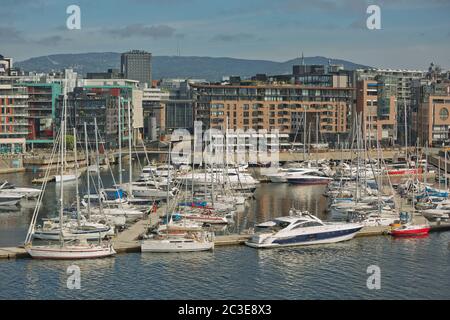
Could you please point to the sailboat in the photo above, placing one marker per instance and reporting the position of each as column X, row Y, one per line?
column 66, row 177
column 178, row 241
column 65, row 249
column 8, row 188
column 80, row 249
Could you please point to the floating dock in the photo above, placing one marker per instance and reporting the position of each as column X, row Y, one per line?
column 128, row 240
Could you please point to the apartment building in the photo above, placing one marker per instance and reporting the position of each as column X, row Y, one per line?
column 432, row 118
column 402, row 80
column 42, row 98
column 13, row 116
column 134, row 95
column 100, row 104
column 376, row 103
column 274, row 106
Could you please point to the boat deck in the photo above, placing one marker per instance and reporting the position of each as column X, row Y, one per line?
column 43, row 179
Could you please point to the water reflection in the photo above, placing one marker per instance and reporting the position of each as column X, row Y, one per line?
column 13, row 230
column 271, row 200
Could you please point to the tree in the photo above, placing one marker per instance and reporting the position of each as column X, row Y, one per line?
column 70, row 142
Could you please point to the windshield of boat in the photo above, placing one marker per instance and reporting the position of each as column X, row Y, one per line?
column 274, row 225
column 307, row 224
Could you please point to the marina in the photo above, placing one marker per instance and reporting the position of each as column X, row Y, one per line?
column 269, row 201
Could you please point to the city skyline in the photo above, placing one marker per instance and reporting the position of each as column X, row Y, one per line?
column 412, row 33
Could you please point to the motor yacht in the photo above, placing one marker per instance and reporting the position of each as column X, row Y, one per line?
column 301, row 228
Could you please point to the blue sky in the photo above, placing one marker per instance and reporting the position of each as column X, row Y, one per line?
column 413, row 32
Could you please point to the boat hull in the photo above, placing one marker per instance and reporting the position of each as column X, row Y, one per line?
column 393, row 172
column 277, row 178
column 69, row 252
column 308, row 181
column 411, row 233
column 9, row 202
column 66, row 177
column 86, row 235
column 164, row 246
column 309, row 239
column 207, row 219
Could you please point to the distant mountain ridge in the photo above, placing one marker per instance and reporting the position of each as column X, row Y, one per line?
column 208, row 68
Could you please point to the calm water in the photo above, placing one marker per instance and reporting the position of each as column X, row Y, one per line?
column 410, row 268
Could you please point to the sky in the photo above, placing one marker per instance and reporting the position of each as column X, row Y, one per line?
column 413, row 32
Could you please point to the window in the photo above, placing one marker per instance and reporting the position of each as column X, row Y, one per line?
column 443, row 114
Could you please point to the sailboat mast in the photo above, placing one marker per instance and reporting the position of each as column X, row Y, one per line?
column 445, row 170
column 87, row 173
column 406, row 134
column 304, row 133
column 168, row 180
column 61, row 199
column 98, row 167
column 130, row 163
column 97, row 151
column 120, row 140
column 439, row 170
column 76, row 175
column 63, row 161
column 426, row 165
column 317, row 139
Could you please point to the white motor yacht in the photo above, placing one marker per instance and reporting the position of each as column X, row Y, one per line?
column 301, row 228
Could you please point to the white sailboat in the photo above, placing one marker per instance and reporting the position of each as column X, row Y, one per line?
column 79, row 249
column 8, row 188
column 66, row 177
column 191, row 242
column 184, row 242
column 10, row 199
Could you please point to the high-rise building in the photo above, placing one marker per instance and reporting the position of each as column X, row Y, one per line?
column 137, row 65
column 376, row 104
column 402, row 80
column 13, row 116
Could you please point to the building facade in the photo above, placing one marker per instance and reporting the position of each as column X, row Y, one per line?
column 432, row 120
column 154, row 112
column 402, row 80
column 377, row 106
column 42, row 112
column 13, row 116
column 137, row 65
column 100, row 104
column 272, row 106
